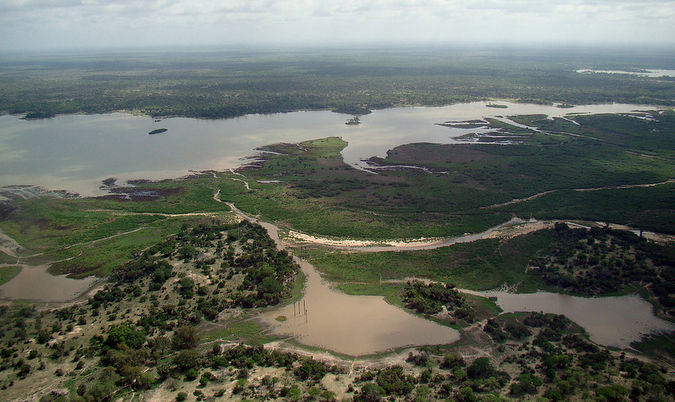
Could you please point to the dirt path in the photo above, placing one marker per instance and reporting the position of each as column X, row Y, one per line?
column 532, row 197
column 507, row 230
column 128, row 213
column 401, row 244
column 242, row 181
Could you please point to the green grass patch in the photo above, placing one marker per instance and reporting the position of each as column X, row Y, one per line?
column 480, row 265
column 247, row 331
column 8, row 273
column 649, row 208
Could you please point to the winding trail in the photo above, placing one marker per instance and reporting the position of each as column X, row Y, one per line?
column 535, row 196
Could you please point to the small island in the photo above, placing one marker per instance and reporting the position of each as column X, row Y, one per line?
column 158, row 131
column 353, row 121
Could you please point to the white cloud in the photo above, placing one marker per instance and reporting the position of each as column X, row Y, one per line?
column 48, row 23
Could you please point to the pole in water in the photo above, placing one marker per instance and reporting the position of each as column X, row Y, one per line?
column 304, row 305
column 293, row 309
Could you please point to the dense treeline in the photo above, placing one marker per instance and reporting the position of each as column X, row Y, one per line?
column 601, row 261
column 432, row 298
column 221, row 85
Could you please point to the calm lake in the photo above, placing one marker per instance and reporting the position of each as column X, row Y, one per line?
column 76, row 152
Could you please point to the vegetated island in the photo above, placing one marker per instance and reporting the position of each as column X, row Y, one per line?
column 158, row 131
column 354, row 121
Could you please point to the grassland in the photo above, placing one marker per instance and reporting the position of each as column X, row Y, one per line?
column 318, row 194
column 6, row 259
column 479, row 265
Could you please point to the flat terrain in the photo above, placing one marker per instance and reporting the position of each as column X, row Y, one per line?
column 228, row 83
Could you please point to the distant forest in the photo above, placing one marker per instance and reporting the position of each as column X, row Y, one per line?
column 228, row 83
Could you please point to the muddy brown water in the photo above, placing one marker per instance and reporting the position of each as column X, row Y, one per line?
column 36, row 284
column 352, row 325
column 610, row 321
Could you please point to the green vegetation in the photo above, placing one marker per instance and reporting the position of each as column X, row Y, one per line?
column 658, row 346
column 7, row 273
column 602, row 261
column 187, row 279
column 318, row 194
column 435, row 297
column 234, row 83
column 6, row 259
column 479, row 265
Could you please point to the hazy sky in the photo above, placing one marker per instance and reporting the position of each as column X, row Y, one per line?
column 38, row 24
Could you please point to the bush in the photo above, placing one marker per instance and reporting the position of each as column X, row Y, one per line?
column 311, row 369
column 186, row 359
column 370, row 392
column 394, row 381
column 451, row 361
column 185, row 338
column 124, row 334
column 191, row 374
column 480, row 368
column 525, row 383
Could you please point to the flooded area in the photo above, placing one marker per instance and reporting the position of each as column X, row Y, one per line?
column 352, row 325
column 651, row 73
column 35, row 283
column 76, row 152
column 610, row 321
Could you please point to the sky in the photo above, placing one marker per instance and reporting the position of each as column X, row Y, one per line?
column 73, row 24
